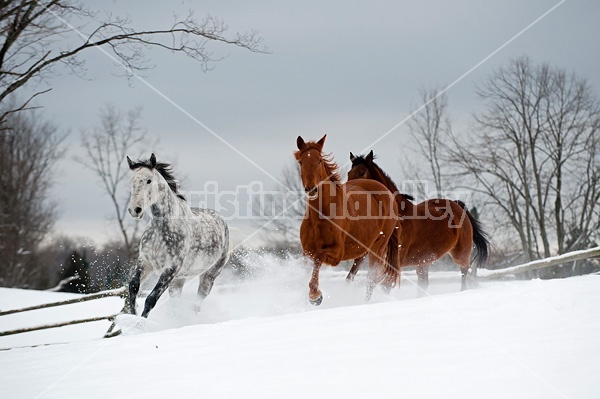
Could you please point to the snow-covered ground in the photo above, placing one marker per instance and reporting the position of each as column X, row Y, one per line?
column 258, row 337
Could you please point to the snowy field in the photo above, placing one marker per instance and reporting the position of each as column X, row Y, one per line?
column 257, row 337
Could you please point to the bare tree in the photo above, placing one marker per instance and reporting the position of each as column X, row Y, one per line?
column 430, row 129
column 106, row 150
column 29, row 151
column 37, row 36
column 535, row 155
column 279, row 213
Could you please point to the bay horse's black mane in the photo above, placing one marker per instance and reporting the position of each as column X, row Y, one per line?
column 164, row 169
column 375, row 170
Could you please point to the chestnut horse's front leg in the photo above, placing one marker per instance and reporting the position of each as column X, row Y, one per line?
column 315, row 296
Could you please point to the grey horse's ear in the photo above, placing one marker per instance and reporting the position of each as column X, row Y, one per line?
column 352, row 157
column 300, row 142
column 153, row 160
column 370, row 157
column 130, row 163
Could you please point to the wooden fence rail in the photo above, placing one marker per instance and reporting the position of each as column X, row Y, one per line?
column 56, row 325
column 541, row 263
column 104, row 294
column 121, row 292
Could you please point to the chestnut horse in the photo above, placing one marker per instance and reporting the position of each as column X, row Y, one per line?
column 345, row 221
column 428, row 230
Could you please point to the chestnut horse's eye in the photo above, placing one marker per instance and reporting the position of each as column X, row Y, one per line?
column 320, row 161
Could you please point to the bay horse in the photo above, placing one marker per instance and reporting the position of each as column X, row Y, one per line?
column 179, row 242
column 345, row 221
column 428, row 230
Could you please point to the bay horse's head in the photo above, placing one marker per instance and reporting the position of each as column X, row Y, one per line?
column 361, row 166
column 315, row 167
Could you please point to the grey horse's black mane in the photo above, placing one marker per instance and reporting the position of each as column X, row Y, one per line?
column 164, row 169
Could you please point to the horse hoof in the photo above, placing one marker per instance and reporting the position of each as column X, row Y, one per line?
column 316, row 302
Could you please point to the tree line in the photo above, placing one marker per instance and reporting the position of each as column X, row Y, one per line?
column 37, row 40
column 530, row 157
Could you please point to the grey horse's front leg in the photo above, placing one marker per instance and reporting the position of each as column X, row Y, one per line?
column 163, row 283
column 134, row 288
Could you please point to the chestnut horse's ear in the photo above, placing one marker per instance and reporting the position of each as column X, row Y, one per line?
column 321, row 142
column 153, row 160
column 352, row 157
column 370, row 157
column 130, row 163
column 300, row 142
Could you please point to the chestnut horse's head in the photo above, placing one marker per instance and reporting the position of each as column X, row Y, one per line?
column 314, row 166
column 361, row 166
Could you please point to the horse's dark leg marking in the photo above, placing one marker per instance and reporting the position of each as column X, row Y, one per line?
column 176, row 287
column 355, row 268
column 134, row 286
column 423, row 280
column 462, row 259
column 163, row 282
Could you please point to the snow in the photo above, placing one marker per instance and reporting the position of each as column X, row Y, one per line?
column 258, row 337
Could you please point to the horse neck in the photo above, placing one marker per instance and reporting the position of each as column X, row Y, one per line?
column 330, row 192
column 405, row 207
column 169, row 204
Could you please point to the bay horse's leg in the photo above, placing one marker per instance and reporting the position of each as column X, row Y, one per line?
column 163, row 283
column 315, row 296
column 463, row 281
column 423, row 280
column 370, row 280
column 462, row 259
column 134, row 287
column 355, row 267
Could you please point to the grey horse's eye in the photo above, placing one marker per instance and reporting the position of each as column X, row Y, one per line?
column 149, row 181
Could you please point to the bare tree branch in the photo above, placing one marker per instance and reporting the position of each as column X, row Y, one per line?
column 535, row 155
column 34, row 33
column 106, row 151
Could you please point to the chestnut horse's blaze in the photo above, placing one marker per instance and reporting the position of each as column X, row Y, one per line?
column 345, row 221
column 428, row 230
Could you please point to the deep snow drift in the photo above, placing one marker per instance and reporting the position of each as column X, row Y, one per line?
column 258, row 337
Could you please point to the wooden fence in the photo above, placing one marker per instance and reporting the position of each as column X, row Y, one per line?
column 120, row 292
column 541, row 263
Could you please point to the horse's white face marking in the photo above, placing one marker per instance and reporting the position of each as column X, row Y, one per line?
column 145, row 186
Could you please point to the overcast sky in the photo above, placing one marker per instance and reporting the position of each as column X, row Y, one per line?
column 348, row 69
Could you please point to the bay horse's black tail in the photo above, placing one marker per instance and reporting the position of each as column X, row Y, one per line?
column 480, row 238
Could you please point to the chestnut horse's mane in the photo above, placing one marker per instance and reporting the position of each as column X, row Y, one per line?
column 376, row 172
column 331, row 168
